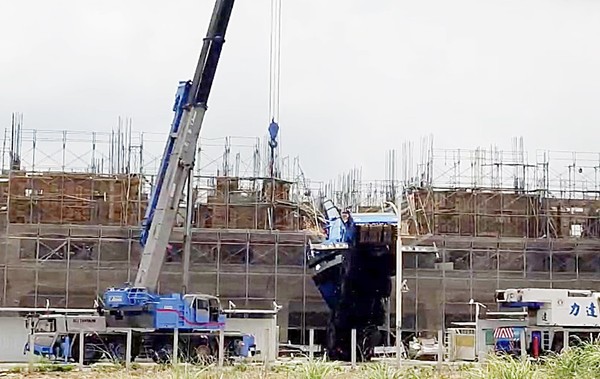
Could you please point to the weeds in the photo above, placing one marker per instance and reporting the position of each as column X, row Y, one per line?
column 381, row 371
column 578, row 362
column 504, row 367
column 582, row 362
column 43, row 368
column 318, row 369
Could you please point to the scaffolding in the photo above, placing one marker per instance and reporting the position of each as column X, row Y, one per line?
column 500, row 219
column 71, row 206
column 70, row 265
column 105, row 178
column 491, row 193
column 484, row 192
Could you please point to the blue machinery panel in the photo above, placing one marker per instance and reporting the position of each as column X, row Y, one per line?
column 166, row 311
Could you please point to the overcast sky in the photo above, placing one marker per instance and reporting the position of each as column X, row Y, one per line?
column 357, row 78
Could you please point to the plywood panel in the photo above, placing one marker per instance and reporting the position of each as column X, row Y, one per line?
column 74, row 198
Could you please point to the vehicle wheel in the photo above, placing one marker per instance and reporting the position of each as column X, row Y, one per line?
column 119, row 352
column 203, row 355
column 91, row 354
column 371, row 338
column 163, row 354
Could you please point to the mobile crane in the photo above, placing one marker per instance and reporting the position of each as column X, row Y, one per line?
column 352, row 269
column 530, row 322
column 197, row 317
column 138, row 305
column 549, row 318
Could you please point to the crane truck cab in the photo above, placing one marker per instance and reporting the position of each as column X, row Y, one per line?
column 205, row 307
column 538, row 321
column 56, row 336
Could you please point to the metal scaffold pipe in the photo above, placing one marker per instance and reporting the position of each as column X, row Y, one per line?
column 399, row 281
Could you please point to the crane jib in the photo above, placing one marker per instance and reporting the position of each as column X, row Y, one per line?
column 178, row 156
column 181, row 97
column 210, row 53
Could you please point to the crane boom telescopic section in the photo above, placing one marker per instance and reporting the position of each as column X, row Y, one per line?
column 179, row 155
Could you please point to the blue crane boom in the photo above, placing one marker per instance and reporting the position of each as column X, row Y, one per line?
column 139, row 304
column 180, row 99
column 178, row 157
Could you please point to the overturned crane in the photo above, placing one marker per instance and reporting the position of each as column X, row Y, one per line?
column 352, row 270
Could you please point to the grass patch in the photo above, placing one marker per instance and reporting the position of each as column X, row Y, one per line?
column 581, row 362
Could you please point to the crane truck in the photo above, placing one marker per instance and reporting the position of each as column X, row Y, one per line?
column 352, row 268
column 530, row 322
column 549, row 319
column 154, row 317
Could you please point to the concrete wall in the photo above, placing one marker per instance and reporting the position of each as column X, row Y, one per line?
column 13, row 337
column 264, row 332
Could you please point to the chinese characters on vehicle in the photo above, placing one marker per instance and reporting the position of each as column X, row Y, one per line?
column 591, row 310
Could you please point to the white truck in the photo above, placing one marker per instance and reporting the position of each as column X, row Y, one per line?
column 531, row 321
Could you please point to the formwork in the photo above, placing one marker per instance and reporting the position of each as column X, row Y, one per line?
column 252, row 203
column 73, row 198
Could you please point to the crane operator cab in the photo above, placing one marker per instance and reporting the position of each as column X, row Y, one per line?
column 206, row 308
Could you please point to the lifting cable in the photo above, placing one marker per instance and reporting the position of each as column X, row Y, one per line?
column 274, row 80
column 274, row 57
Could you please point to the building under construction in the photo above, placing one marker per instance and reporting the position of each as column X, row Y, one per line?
column 499, row 219
column 72, row 204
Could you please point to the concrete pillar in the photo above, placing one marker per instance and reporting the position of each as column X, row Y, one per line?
column 221, row 347
column 31, row 354
column 311, row 344
column 353, row 347
column 175, row 359
column 81, row 348
column 522, row 340
column 440, row 357
column 128, row 349
column 283, row 318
